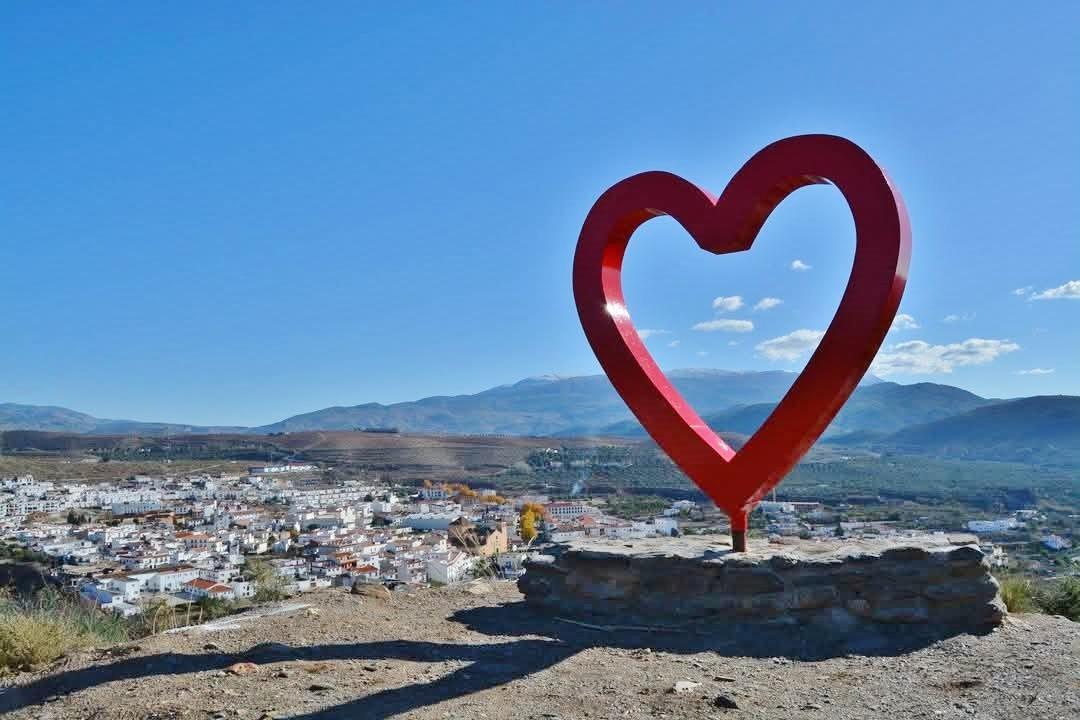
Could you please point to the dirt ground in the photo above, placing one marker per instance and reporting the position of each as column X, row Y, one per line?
column 478, row 652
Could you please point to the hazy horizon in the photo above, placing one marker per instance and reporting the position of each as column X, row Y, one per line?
column 556, row 376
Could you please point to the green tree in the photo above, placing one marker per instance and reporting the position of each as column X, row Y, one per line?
column 213, row 608
column 269, row 584
column 1061, row 597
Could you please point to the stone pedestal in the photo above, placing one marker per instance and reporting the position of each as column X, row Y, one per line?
column 936, row 582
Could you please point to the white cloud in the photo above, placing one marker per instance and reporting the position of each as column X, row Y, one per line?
column 1023, row 291
column 767, row 303
column 790, row 346
column 727, row 304
column 673, row 344
column 1068, row 291
column 739, row 326
column 1036, row 371
column 799, row 266
column 916, row 357
column 903, row 321
column 702, row 353
column 732, row 343
column 646, row 333
column 954, row 318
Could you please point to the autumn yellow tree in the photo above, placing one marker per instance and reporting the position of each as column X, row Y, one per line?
column 528, row 525
column 535, row 508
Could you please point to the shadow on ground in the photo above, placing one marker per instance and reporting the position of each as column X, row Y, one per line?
column 544, row 642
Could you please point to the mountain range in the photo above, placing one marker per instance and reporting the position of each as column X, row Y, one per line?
column 50, row 418
column 549, row 405
column 920, row 418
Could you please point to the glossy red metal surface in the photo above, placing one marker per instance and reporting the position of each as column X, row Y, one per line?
column 730, row 223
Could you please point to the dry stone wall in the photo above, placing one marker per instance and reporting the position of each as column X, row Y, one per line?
column 840, row 586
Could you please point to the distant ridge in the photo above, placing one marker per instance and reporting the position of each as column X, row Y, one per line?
column 1040, row 430
column 921, row 418
column 878, row 408
column 884, row 417
column 50, row 418
column 546, row 405
column 541, row 405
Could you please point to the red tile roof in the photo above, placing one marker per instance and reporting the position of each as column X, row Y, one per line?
column 209, row 586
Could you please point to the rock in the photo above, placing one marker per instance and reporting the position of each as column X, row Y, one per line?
column 858, row 606
column 478, row 587
column 965, row 683
column 311, row 612
column 753, row 581
column 212, row 647
column 683, row 686
column 812, row 597
column 723, row 678
column 725, row 702
column 905, row 554
column 830, row 590
column 320, row 687
column 242, row 668
column 966, row 555
column 915, row 611
column 371, row 590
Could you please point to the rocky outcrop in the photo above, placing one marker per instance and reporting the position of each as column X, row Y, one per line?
column 838, row 586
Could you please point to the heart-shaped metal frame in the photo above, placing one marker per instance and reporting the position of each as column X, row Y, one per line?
column 730, row 223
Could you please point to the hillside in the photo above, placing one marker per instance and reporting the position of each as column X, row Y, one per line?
column 49, row 418
column 1041, row 430
column 540, row 406
column 535, row 406
column 394, row 456
column 918, row 419
column 14, row 416
column 477, row 652
column 882, row 407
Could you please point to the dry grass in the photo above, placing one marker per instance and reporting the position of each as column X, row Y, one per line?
column 39, row 629
column 1018, row 594
column 28, row 641
column 66, row 468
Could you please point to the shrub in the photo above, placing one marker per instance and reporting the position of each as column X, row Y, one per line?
column 269, row 584
column 47, row 625
column 214, row 608
column 27, row 641
column 1061, row 597
column 155, row 617
column 1018, row 594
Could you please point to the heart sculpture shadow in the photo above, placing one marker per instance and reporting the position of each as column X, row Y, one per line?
column 730, row 223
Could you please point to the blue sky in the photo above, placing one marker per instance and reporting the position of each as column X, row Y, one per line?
column 231, row 214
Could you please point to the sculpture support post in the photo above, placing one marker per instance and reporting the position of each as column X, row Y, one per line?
column 739, row 524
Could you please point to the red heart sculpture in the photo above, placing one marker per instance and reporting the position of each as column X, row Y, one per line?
column 737, row 481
